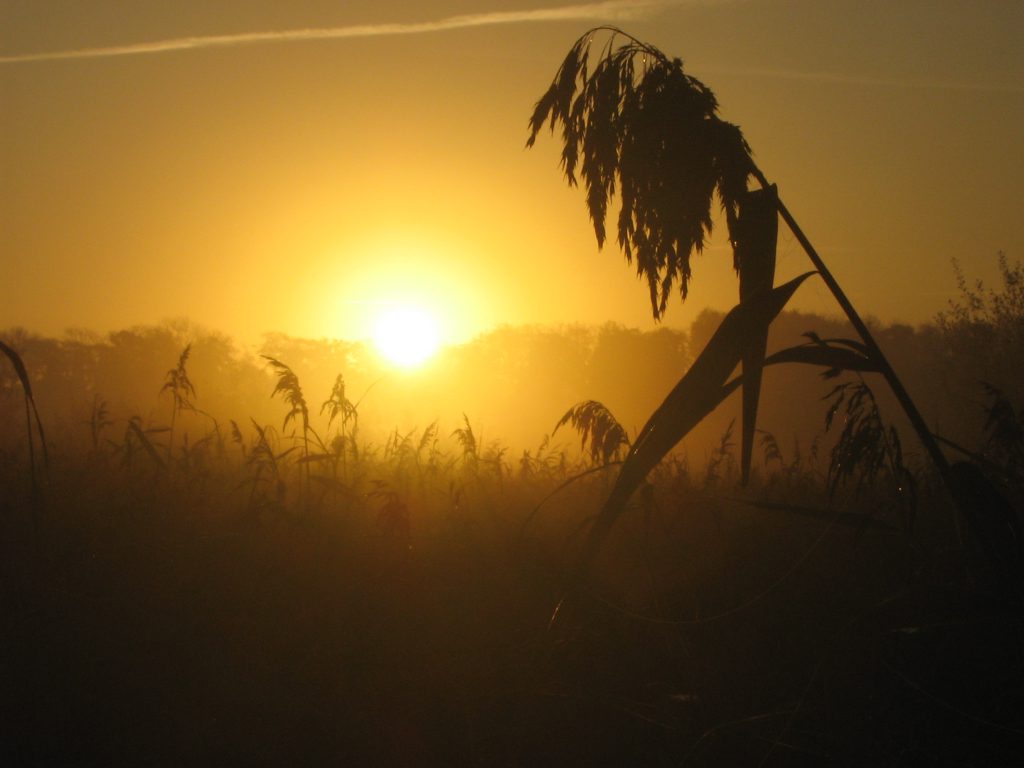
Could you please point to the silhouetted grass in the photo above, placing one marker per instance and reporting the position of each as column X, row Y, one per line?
column 392, row 609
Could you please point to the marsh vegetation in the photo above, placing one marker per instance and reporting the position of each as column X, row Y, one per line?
column 303, row 582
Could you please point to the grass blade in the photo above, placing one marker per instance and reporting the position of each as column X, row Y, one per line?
column 145, row 442
column 693, row 398
column 30, row 403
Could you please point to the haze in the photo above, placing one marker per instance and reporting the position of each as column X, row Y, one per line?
column 297, row 182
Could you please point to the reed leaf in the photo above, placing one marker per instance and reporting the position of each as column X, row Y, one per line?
column 30, row 401
column 835, row 355
column 693, row 398
column 30, row 412
column 19, row 368
column 756, row 235
column 142, row 435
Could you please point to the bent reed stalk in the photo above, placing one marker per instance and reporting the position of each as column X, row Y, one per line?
column 635, row 125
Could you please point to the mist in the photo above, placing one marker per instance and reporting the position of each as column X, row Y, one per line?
column 512, row 384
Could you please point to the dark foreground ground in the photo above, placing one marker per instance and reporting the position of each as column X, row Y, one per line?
column 162, row 625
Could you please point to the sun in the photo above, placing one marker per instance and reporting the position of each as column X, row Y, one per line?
column 406, row 335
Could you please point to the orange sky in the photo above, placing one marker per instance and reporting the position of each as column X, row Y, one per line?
column 296, row 185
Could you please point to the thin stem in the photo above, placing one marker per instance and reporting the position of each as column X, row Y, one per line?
column 170, row 436
column 885, row 368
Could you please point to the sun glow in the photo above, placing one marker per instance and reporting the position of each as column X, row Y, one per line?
column 406, row 335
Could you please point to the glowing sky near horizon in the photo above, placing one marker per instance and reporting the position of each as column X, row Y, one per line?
column 311, row 159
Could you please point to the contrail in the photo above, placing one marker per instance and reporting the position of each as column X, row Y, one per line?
column 609, row 10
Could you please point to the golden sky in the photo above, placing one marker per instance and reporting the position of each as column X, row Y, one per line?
column 261, row 166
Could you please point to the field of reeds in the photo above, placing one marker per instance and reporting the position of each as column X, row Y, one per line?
column 182, row 591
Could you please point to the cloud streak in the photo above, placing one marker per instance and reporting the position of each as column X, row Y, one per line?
column 603, row 11
column 609, row 10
